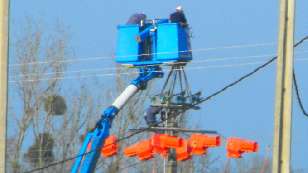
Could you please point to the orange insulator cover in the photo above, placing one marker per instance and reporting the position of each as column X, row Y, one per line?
column 162, row 143
column 184, row 151
column 237, row 146
column 110, row 147
column 145, row 150
column 132, row 150
column 171, row 141
column 161, row 151
column 199, row 143
column 166, row 141
column 158, row 145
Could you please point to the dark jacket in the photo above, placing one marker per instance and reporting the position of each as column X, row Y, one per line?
column 150, row 115
column 136, row 18
column 178, row 17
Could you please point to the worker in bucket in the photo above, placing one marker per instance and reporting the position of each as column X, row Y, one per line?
column 137, row 18
column 179, row 17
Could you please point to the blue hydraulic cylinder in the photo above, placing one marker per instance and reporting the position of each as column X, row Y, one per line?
column 87, row 161
column 98, row 137
column 82, row 151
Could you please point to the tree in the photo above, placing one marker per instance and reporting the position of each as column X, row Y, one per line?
column 36, row 77
column 38, row 93
column 37, row 136
column 29, row 89
column 42, row 150
column 55, row 104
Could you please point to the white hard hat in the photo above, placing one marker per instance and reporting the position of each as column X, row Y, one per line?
column 179, row 8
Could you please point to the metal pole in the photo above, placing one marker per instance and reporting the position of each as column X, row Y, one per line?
column 3, row 79
column 171, row 165
column 283, row 103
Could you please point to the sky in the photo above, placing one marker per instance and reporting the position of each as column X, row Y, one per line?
column 243, row 111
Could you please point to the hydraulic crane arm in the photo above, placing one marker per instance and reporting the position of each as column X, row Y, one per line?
column 86, row 162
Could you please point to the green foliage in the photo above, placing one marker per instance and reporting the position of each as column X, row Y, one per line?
column 41, row 151
column 55, row 105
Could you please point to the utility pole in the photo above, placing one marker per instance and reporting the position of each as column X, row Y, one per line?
column 3, row 79
column 171, row 165
column 174, row 100
column 283, row 105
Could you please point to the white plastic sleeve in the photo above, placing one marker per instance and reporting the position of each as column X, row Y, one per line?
column 129, row 92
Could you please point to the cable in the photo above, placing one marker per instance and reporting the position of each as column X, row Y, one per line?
column 130, row 166
column 300, row 102
column 132, row 73
column 79, row 155
column 239, row 80
column 298, row 97
column 174, row 115
column 295, row 82
column 162, row 121
column 71, row 60
column 203, row 100
column 115, row 68
column 249, row 74
column 301, row 41
column 123, row 67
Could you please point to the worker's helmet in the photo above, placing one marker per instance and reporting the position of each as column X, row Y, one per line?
column 179, row 8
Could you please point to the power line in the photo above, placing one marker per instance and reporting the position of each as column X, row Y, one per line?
column 162, row 121
column 121, row 67
column 130, row 166
column 253, row 72
column 239, row 80
column 295, row 82
column 79, row 155
column 132, row 73
column 203, row 100
column 193, row 62
column 73, row 60
column 218, row 92
column 298, row 97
